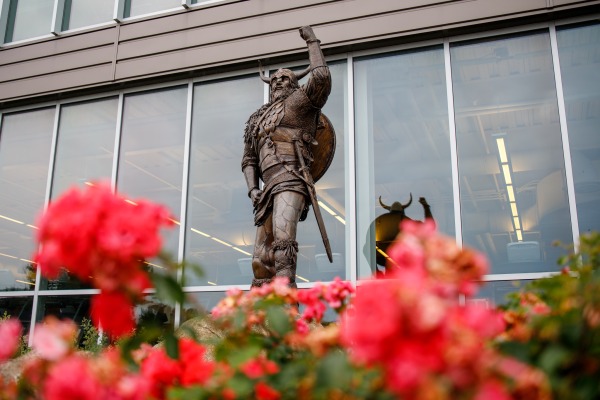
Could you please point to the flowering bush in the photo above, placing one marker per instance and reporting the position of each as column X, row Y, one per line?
column 405, row 336
column 554, row 324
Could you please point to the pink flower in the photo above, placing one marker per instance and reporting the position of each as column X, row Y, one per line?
column 10, row 335
column 71, row 379
column 53, row 339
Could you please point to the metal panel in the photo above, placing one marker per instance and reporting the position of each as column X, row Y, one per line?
column 62, row 62
column 60, row 45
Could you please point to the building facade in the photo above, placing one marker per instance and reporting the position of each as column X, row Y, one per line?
column 488, row 109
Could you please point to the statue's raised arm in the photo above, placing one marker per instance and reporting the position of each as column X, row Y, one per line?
column 318, row 86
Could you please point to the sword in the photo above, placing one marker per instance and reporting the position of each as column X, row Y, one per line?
column 313, row 200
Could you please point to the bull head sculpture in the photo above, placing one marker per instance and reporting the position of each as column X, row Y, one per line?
column 387, row 226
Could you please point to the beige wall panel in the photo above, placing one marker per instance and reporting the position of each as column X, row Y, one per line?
column 63, row 62
column 232, row 30
column 52, row 47
column 209, row 55
column 51, row 83
column 303, row 12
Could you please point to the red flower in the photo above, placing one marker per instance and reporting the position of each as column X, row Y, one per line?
column 266, row 392
column 195, row 368
column 113, row 312
column 162, row 371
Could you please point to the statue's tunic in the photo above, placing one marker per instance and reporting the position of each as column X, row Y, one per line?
column 270, row 136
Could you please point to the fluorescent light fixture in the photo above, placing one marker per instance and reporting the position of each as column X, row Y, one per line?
column 324, row 207
column 342, row 220
column 7, row 255
column 154, row 265
column 513, row 207
column 12, row 220
column 517, row 223
column 511, row 193
column 27, row 261
column 200, row 232
column 502, row 150
column 131, row 202
column 211, row 283
column 506, row 172
column 32, row 226
column 519, row 235
column 25, row 282
column 220, row 241
column 241, row 251
column 302, row 279
column 174, row 221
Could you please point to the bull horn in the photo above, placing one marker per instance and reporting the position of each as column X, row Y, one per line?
column 407, row 204
column 303, row 73
column 261, row 73
column 383, row 205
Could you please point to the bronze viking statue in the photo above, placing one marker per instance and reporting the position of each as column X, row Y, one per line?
column 279, row 143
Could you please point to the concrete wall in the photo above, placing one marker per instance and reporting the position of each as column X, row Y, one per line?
column 239, row 32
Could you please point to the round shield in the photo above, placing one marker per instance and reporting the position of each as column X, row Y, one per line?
column 324, row 150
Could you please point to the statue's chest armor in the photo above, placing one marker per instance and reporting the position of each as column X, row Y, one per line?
column 294, row 115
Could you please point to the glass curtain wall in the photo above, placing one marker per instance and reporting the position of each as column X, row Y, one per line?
column 220, row 226
column 28, row 19
column 80, row 13
column 24, row 161
column 402, row 148
column 579, row 51
column 139, row 7
column 512, row 181
column 510, row 155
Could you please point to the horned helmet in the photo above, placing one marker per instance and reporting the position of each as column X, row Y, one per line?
column 294, row 77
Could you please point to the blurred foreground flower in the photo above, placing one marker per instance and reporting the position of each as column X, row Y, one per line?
column 103, row 239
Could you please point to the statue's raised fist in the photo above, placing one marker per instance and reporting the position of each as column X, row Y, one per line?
column 307, row 33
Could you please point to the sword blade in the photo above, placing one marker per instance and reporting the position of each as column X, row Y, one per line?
column 314, row 202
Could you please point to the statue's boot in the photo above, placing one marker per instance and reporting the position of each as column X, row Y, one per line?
column 285, row 254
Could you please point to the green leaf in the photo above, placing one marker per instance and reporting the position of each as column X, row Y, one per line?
column 334, row 371
column 167, row 288
column 278, row 320
column 242, row 386
column 171, row 345
column 241, row 355
column 553, row 358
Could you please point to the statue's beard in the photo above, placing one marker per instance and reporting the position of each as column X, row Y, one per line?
column 281, row 93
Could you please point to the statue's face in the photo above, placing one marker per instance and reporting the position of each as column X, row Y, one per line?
column 282, row 84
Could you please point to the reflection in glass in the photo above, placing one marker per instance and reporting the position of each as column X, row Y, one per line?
column 494, row 293
column 151, row 153
column 220, row 228
column 17, row 307
column 85, row 145
column 140, row 7
column 402, row 142
column 154, row 313
column 31, row 18
column 580, row 68
column 510, row 159
column 200, row 303
column 80, row 13
column 25, row 142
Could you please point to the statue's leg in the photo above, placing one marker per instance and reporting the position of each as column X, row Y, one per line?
column 262, row 261
column 287, row 208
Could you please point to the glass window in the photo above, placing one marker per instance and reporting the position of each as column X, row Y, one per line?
column 28, row 19
column 220, row 227
column 495, row 293
column 140, row 7
column 402, row 148
column 510, row 159
column 151, row 153
column 84, row 154
column 19, row 308
column 85, row 145
column 579, row 50
column 25, row 142
column 80, row 13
